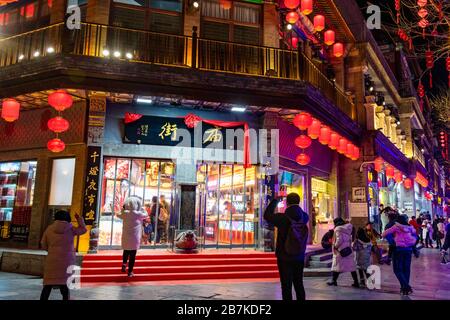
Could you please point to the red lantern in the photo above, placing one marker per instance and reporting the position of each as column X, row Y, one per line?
column 397, row 5
column 56, row 145
column 398, row 176
column 447, row 61
column 378, row 164
column 389, row 171
column 303, row 159
column 306, row 7
column 342, row 148
column 50, row 3
column 421, row 90
column 58, row 124
column 329, row 37
column 334, row 141
column 294, row 42
column 407, row 183
column 429, row 58
column 303, row 141
column 292, row 17
column 423, row 23
column 319, row 23
column 338, row 49
column 10, row 110
column 291, row 4
column 422, row 13
column 422, row 3
column 303, row 120
column 349, row 151
column 314, row 129
column 226, row 4
column 60, row 100
column 325, row 135
column 355, row 154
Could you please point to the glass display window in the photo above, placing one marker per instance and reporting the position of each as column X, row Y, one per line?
column 323, row 196
column 17, row 183
column 150, row 180
column 228, row 204
column 291, row 183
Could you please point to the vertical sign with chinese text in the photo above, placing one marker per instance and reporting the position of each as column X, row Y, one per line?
column 92, row 185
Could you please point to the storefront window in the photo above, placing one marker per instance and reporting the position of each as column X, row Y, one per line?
column 150, row 180
column 228, row 204
column 17, row 182
column 63, row 171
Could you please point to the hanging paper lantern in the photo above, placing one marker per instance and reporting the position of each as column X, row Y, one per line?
column 292, row 17
column 349, row 150
column 421, row 90
column 329, row 37
column 303, row 120
column 423, row 23
column 342, row 148
column 338, row 49
column 319, row 23
column 355, row 155
column 303, row 141
column 389, row 171
column 422, row 13
column 334, row 141
column 422, row 3
column 447, row 62
column 303, row 159
column 378, row 164
column 294, row 42
column 397, row 8
column 10, row 110
column 60, row 100
column 407, row 183
column 429, row 58
column 58, row 124
column 306, row 7
column 314, row 129
column 225, row 4
column 398, row 176
column 291, row 4
column 56, row 145
column 325, row 135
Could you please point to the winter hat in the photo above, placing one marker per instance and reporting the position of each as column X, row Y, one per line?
column 403, row 219
column 62, row 215
column 338, row 222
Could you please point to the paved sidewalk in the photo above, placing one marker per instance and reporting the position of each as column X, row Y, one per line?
column 429, row 279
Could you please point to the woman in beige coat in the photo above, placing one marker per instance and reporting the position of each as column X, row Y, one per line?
column 58, row 240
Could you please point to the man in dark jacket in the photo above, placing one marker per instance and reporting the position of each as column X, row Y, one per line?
column 392, row 216
column 290, row 267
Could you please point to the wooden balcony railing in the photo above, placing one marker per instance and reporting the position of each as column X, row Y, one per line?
column 174, row 50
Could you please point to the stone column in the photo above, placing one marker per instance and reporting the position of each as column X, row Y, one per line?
column 382, row 121
column 371, row 121
column 354, row 82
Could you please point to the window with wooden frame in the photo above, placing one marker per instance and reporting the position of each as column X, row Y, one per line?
column 164, row 16
column 233, row 21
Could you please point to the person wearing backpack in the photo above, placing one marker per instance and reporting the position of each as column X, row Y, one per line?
column 292, row 237
column 343, row 255
column 405, row 238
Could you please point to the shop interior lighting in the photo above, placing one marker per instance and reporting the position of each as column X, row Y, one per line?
column 106, row 52
column 238, row 109
column 117, row 54
column 129, row 56
column 50, row 50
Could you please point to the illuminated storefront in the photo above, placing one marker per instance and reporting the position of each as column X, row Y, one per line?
column 325, row 206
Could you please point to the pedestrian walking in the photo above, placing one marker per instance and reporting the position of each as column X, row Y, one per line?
column 343, row 255
column 420, row 222
column 427, row 233
column 376, row 250
column 363, row 248
column 392, row 216
column 446, row 244
column 292, row 237
column 132, row 215
column 405, row 238
column 440, row 233
column 58, row 241
column 413, row 222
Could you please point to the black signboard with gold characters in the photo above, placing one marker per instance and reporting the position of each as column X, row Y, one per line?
column 165, row 131
column 91, row 186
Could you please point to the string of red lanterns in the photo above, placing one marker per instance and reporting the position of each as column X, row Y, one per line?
column 397, row 175
column 316, row 130
column 60, row 100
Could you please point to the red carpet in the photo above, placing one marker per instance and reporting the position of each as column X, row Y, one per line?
column 171, row 266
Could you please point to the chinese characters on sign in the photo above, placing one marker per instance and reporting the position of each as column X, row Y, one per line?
column 91, row 186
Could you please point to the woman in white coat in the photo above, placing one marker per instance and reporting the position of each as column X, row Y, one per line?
column 132, row 215
column 342, row 241
column 58, row 240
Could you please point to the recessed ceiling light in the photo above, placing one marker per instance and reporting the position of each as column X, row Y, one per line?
column 238, row 109
column 117, row 54
column 50, row 50
column 36, row 54
column 129, row 55
column 106, row 53
column 144, row 100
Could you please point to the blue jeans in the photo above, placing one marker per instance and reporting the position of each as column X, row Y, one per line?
column 402, row 266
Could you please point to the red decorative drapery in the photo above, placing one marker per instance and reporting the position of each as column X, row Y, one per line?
column 191, row 121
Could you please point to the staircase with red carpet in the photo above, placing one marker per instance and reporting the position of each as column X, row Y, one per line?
column 170, row 266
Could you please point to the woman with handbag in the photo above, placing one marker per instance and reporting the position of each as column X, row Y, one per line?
column 343, row 255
